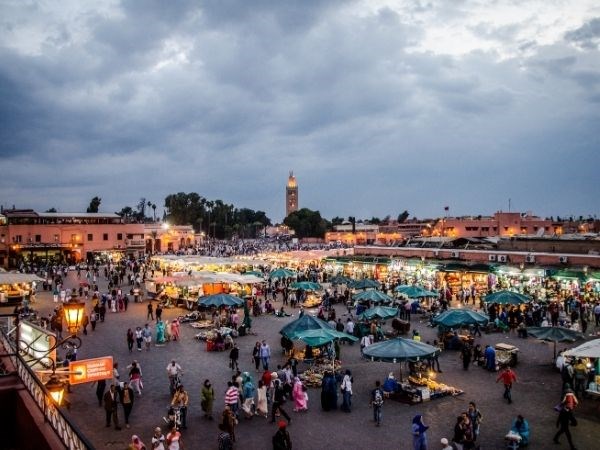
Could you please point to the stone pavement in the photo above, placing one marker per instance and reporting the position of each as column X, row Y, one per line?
column 535, row 394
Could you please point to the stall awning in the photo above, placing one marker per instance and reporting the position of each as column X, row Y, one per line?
column 462, row 267
column 14, row 278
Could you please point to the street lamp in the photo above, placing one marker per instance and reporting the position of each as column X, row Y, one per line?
column 56, row 389
column 74, row 312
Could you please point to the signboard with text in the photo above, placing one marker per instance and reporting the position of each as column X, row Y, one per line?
column 90, row 370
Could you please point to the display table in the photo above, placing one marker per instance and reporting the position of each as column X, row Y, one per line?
column 506, row 354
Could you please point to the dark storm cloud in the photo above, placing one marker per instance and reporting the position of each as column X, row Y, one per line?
column 224, row 97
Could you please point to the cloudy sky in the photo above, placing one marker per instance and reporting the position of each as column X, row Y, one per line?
column 377, row 106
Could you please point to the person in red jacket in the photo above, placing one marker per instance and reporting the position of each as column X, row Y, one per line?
column 508, row 377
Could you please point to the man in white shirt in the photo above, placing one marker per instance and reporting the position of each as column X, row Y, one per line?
column 350, row 327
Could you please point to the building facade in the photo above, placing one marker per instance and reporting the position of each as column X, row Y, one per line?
column 29, row 237
column 291, row 195
column 500, row 224
column 164, row 238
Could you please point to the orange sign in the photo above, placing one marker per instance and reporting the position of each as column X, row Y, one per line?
column 91, row 370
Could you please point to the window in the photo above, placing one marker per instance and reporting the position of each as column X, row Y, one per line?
column 119, row 236
column 105, row 237
column 38, row 238
column 485, row 228
column 90, row 237
column 56, row 238
column 18, row 238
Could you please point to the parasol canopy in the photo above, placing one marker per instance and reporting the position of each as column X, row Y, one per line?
column 306, row 286
column 316, row 338
column 554, row 334
column 373, row 296
column 340, row 279
column 220, row 300
column 282, row 273
column 367, row 283
column 590, row 349
column 301, row 324
column 379, row 312
column 507, row 297
column 399, row 349
column 414, row 291
column 457, row 317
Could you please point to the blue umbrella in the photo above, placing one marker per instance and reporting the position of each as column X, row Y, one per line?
column 365, row 284
column 373, row 296
column 414, row 291
column 220, row 300
column 507, row 297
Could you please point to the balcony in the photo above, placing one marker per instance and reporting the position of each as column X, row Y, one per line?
column 135, row 243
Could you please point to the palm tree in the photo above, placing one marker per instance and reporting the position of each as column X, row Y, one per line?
column 154, row 211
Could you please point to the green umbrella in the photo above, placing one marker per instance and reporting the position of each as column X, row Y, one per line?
column 306, row 286
column 398, row 350
column 373, row 296
column 457, row 317
column 282, row 273
column 304, row 323
column 379, row 312
column 340, row 279
column 220, row 300
column 554, row 334
column 317, row 338
column 507, row 297
column 256, row 273
column 367, row 283
column 414, row 291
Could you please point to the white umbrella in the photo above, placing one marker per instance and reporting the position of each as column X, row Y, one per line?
column 590, row 349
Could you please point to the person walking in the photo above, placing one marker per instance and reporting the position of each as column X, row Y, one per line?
column 466, row 355
column 377, row 403
column 175, row 329
column 207, row 399
column 100, row 388
column 158, row 439
column 93, row 319
column 232, row 397
column 147, row 336
column 475, row 418
column 347, row 392
column 256, row 355
column 234, row 355
column 265, row 354
column 282, row 439
column 262, row 406
column 130, row 339
column 419, row 433
column 508, row 377
column 181, row 400
column 173, row 439
column 139, row 338
column 111, row 402
column 158, row 312
column 126, row 399
column 228, row 421
column 135, row 377
column 564, row 420
column 278, row 401
column 150, row 313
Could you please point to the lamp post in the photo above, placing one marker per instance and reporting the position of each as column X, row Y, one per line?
column 56, row 389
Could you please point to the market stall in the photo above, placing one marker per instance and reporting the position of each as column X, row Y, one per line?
column 452, row 319
column 554, row 334
column 16, row 287
column 420, row 385
column 506, row 355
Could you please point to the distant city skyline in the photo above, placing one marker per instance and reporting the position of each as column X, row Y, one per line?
column 379, row 106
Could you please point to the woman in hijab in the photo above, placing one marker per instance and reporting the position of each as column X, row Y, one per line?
column 419, row 432
column 136, row 443
column 300, row 403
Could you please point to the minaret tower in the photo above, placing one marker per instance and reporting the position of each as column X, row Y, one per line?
column 291, row 195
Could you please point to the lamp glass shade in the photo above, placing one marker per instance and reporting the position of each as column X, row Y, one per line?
column 74, row 312
column 56, row 389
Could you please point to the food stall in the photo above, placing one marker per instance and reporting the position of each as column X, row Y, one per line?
column 506, row 354
column 16, row 287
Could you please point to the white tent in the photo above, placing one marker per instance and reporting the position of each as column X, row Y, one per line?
column 590, row 349
column 14, row 278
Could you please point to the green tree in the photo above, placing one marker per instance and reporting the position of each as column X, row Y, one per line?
column 94, row 205
column 352, row 220
column 306, row 223
column 403, row 216
column 375, row 221
column 51, row 210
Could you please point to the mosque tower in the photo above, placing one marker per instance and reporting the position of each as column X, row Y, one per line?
column 291, row 195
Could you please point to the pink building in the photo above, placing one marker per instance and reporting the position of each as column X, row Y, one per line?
column 500, row 224
column 29, row 236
